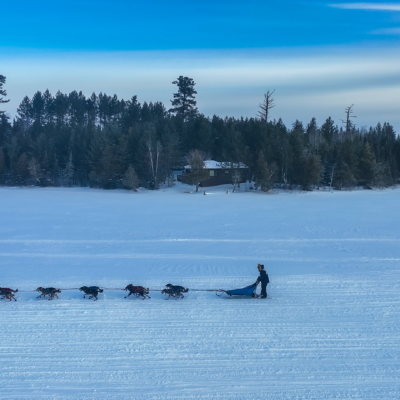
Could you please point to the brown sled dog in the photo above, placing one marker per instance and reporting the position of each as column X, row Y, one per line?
column 138, row 291
column 50, row 291
column 8, row 293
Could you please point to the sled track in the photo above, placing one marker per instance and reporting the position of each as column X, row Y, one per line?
column 199, row 257
column 198, row 240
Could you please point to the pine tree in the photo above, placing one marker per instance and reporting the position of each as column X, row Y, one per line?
column 5, row 129
column 170, row 156
column 54, row 171
column 111, row 167
column 310, row 170
column 197, row 172
column 95, row 154
column 344, row 177
column 265, row 175
column 132, row 113
column 2, row 163
column 69, row 170
column 38, row 109
column 145, row 113
column 329, row 131
column 367, row 166
column 22, row 169
column 329, row 171
column 295, row 156
column 196, row 133
column 382, row 176
column 48, row 117
column 61, row 106
column 234, row 149
column 91, row 110
column 77, row 108
column 131, row 181
column 184, row 103
column 2, row 91
column 313, row 133
column 4, row 123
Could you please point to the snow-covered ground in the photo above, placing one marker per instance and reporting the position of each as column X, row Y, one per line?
column 330, row 329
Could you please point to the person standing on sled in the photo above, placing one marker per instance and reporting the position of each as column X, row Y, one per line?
column 264, row 279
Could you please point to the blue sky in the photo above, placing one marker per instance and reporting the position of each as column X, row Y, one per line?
column 323, row 55
column 206, row 24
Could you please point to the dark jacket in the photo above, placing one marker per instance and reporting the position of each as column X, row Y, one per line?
column 263, row 278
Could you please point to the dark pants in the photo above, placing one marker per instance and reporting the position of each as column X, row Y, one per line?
column 263, row 290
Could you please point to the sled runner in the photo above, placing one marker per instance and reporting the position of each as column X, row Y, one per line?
column 246, row 291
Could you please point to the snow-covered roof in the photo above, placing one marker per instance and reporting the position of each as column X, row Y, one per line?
column 211, row 164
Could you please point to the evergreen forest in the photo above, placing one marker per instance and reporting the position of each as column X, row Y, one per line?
column 68, row 139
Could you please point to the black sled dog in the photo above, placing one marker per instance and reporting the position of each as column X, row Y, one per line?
column 50, row 291
column 91, row 291
column 174, row 291
column 7, row 293
column 169, row 293
column 179, row 290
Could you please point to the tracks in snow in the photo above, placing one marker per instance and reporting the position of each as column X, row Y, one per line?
column 199, row 257
column 197, row 240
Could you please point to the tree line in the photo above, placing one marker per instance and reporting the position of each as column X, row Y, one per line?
column 68, row 139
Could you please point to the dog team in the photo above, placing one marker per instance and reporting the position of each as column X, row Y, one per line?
column 173, row 291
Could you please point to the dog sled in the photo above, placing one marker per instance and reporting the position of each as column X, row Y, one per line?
column 246, row 291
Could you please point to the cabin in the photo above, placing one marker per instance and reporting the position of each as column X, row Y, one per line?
column 219, row 173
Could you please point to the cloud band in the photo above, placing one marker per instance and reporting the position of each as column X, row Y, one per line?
column 368, row 6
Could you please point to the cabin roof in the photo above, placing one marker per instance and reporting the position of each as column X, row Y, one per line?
column 211, row 164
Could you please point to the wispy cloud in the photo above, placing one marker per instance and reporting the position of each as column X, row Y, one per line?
column 387, row 31
column 368, row 6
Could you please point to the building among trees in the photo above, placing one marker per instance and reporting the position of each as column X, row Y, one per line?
column 218, row 173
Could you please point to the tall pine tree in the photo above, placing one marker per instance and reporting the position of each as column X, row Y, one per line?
column 184, row 103
column 2, row 91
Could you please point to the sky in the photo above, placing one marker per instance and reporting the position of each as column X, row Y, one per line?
column 319, row 56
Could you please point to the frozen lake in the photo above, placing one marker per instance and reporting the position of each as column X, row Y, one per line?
column 329, row 329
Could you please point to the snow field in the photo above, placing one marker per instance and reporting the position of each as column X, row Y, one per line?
column 329, row 330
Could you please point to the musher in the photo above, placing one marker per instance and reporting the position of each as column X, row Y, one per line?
column 264, row 279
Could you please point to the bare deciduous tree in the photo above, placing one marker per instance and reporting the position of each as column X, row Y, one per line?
column 264, row 174
column 35, row 171
column 154, row 159
column 236, row 178
column 349, row 111
column 266, row 106
column 197, row 169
